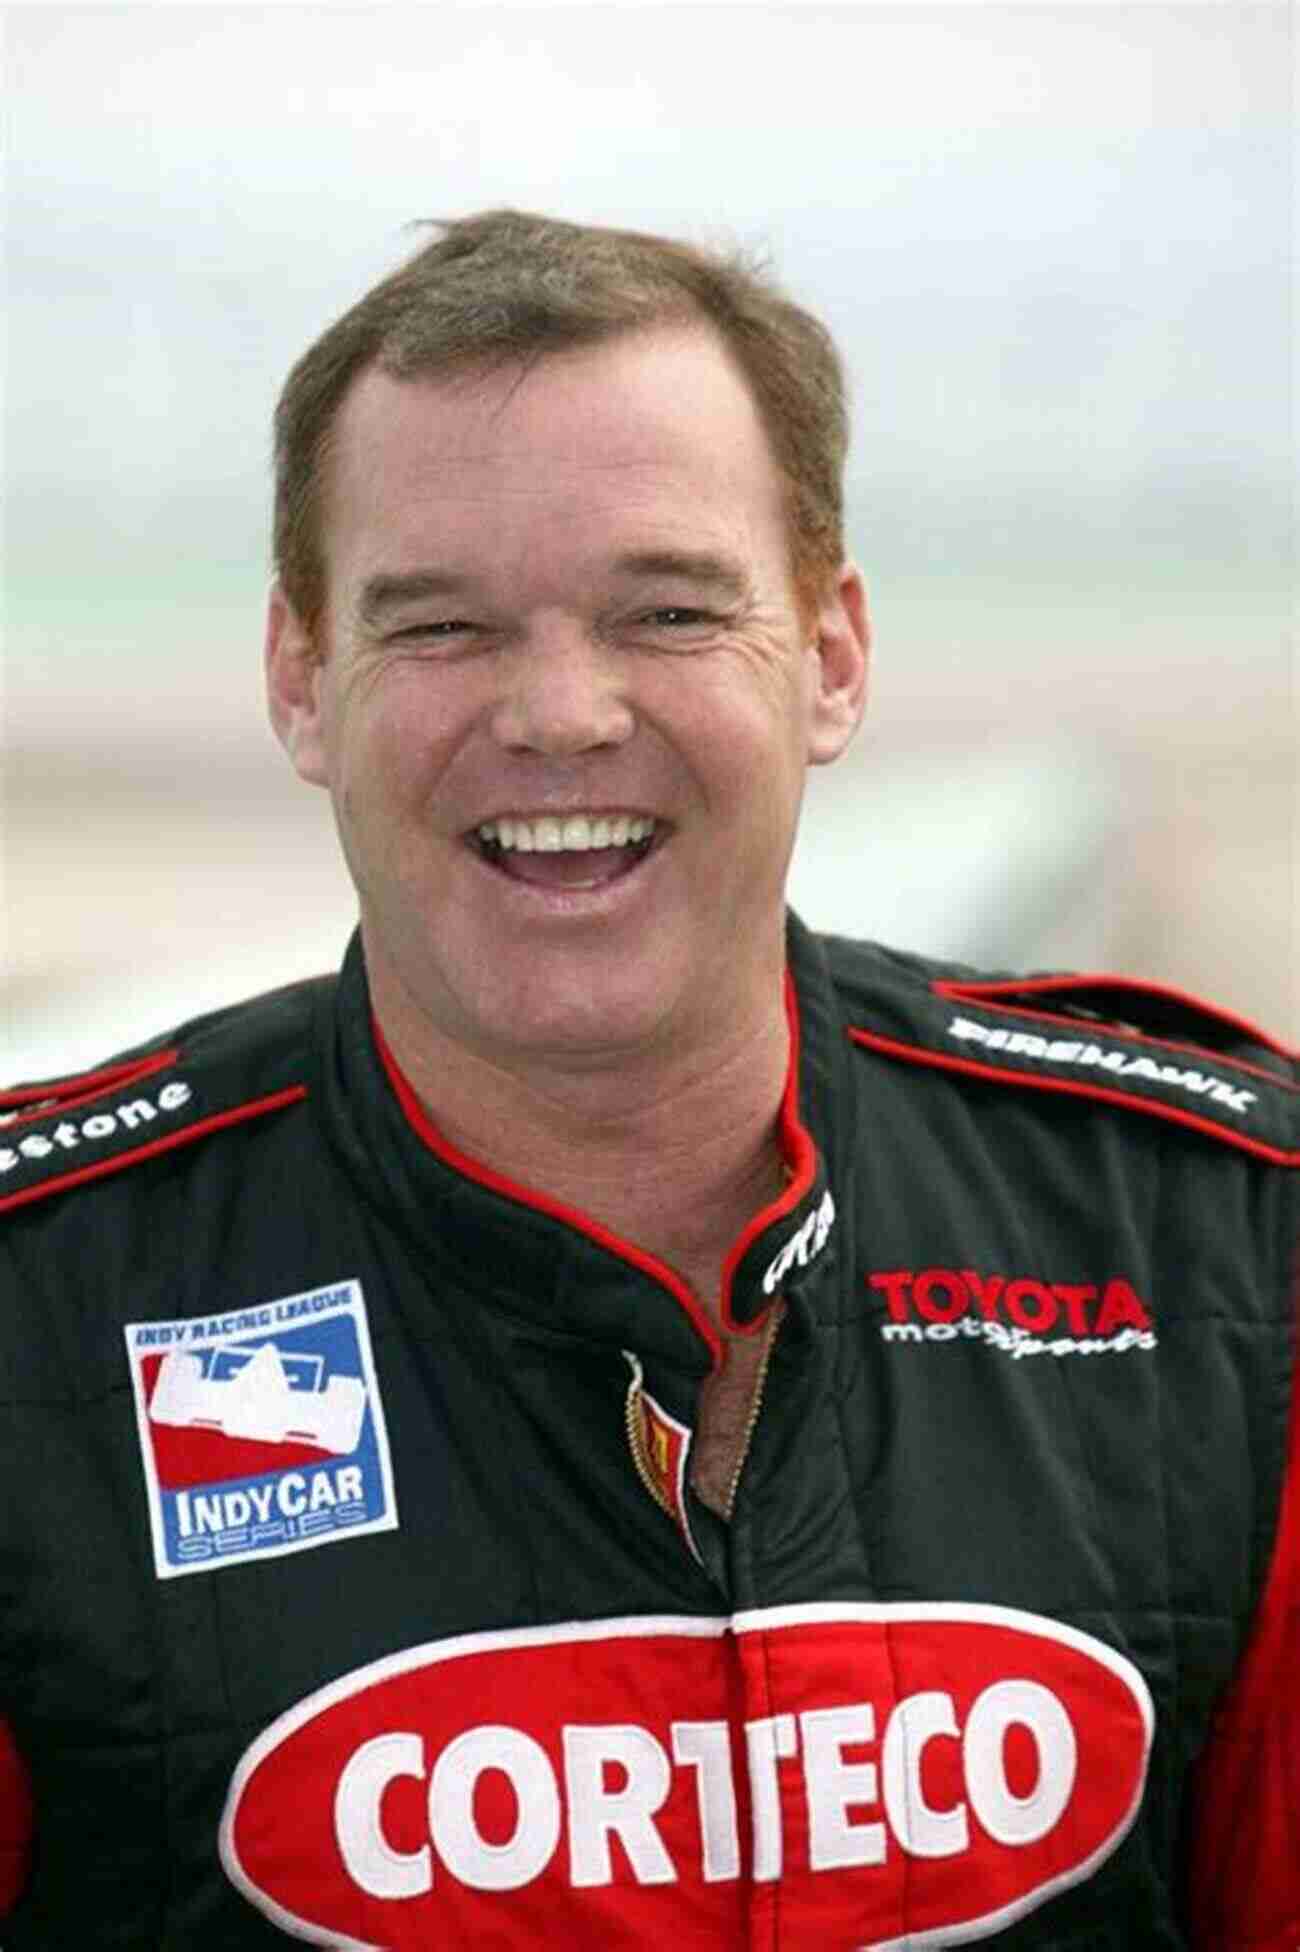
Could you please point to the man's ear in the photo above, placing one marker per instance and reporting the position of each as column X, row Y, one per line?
column 294, row 675
column 842, row 648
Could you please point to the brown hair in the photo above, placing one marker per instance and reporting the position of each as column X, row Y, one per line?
column 506, row 286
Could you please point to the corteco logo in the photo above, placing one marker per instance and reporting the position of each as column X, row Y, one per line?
column 803, row 1246
column 1123, row 1064
column 1019, row 1317
column 907, row 1775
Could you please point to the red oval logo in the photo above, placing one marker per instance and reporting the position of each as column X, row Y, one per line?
column 867, row 1776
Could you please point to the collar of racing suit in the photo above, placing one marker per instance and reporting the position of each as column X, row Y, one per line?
column 556, row 1266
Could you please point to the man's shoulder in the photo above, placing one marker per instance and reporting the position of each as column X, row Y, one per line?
column 1106, row 1038
column 214, row 1071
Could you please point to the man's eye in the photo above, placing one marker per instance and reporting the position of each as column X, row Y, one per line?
column 677, row 615
column 440, row 627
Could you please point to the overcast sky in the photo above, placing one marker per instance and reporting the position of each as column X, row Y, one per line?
column 1053, row 241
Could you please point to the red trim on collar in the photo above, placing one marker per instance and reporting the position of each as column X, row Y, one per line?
column 796, row 1144
column 65, row 1094
column 583, row 1223
column 800, row 1156
column 1073, row 1088
column 219, row 1120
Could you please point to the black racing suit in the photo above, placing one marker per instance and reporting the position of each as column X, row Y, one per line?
column 352, row 1589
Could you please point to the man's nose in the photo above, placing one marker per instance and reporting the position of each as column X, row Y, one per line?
column 565, row 693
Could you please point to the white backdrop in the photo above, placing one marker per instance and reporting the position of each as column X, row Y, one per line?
column 1053, row 242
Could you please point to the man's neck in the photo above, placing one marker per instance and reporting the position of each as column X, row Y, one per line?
column 674, row 1153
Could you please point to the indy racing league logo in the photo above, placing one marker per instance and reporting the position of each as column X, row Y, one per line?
column 261, row 1430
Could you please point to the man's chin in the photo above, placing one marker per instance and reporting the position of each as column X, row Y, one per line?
column 587, row 1033
column 566, row 998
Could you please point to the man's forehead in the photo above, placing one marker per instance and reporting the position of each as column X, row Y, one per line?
column 644, row 447
column 636, row 393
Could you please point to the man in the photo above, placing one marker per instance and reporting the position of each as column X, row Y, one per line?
column 618, row 1420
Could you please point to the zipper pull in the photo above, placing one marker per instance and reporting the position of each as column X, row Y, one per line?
column 660, row 1448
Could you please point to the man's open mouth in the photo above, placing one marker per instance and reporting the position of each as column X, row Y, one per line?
column 574, row 850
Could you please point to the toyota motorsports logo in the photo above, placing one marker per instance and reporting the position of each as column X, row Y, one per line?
column 1015, row 1315
column 261, row 1430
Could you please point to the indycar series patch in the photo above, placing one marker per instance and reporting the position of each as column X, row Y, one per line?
column 261, row 1430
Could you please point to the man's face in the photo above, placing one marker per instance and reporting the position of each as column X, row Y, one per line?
column 560, row 611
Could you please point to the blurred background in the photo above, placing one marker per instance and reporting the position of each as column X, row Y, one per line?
column 1053, row 242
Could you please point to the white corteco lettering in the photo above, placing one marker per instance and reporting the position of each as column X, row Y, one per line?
column 467, row 1853
column 615, row 1778
column 921, row 1830
column 706, row 1747
column 596, row 1813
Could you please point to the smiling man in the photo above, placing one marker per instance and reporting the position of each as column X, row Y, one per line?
column 564, row 697
column 618, row 1420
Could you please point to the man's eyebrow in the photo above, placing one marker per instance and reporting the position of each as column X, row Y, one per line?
column 388, row 589
column 688, row 565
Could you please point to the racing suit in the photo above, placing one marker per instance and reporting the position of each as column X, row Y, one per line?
column 353, row 1591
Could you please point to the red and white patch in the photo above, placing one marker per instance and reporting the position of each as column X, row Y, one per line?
column 661, row 1447
column 838, row 1776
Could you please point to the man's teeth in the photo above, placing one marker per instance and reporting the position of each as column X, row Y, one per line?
column 573, row 835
